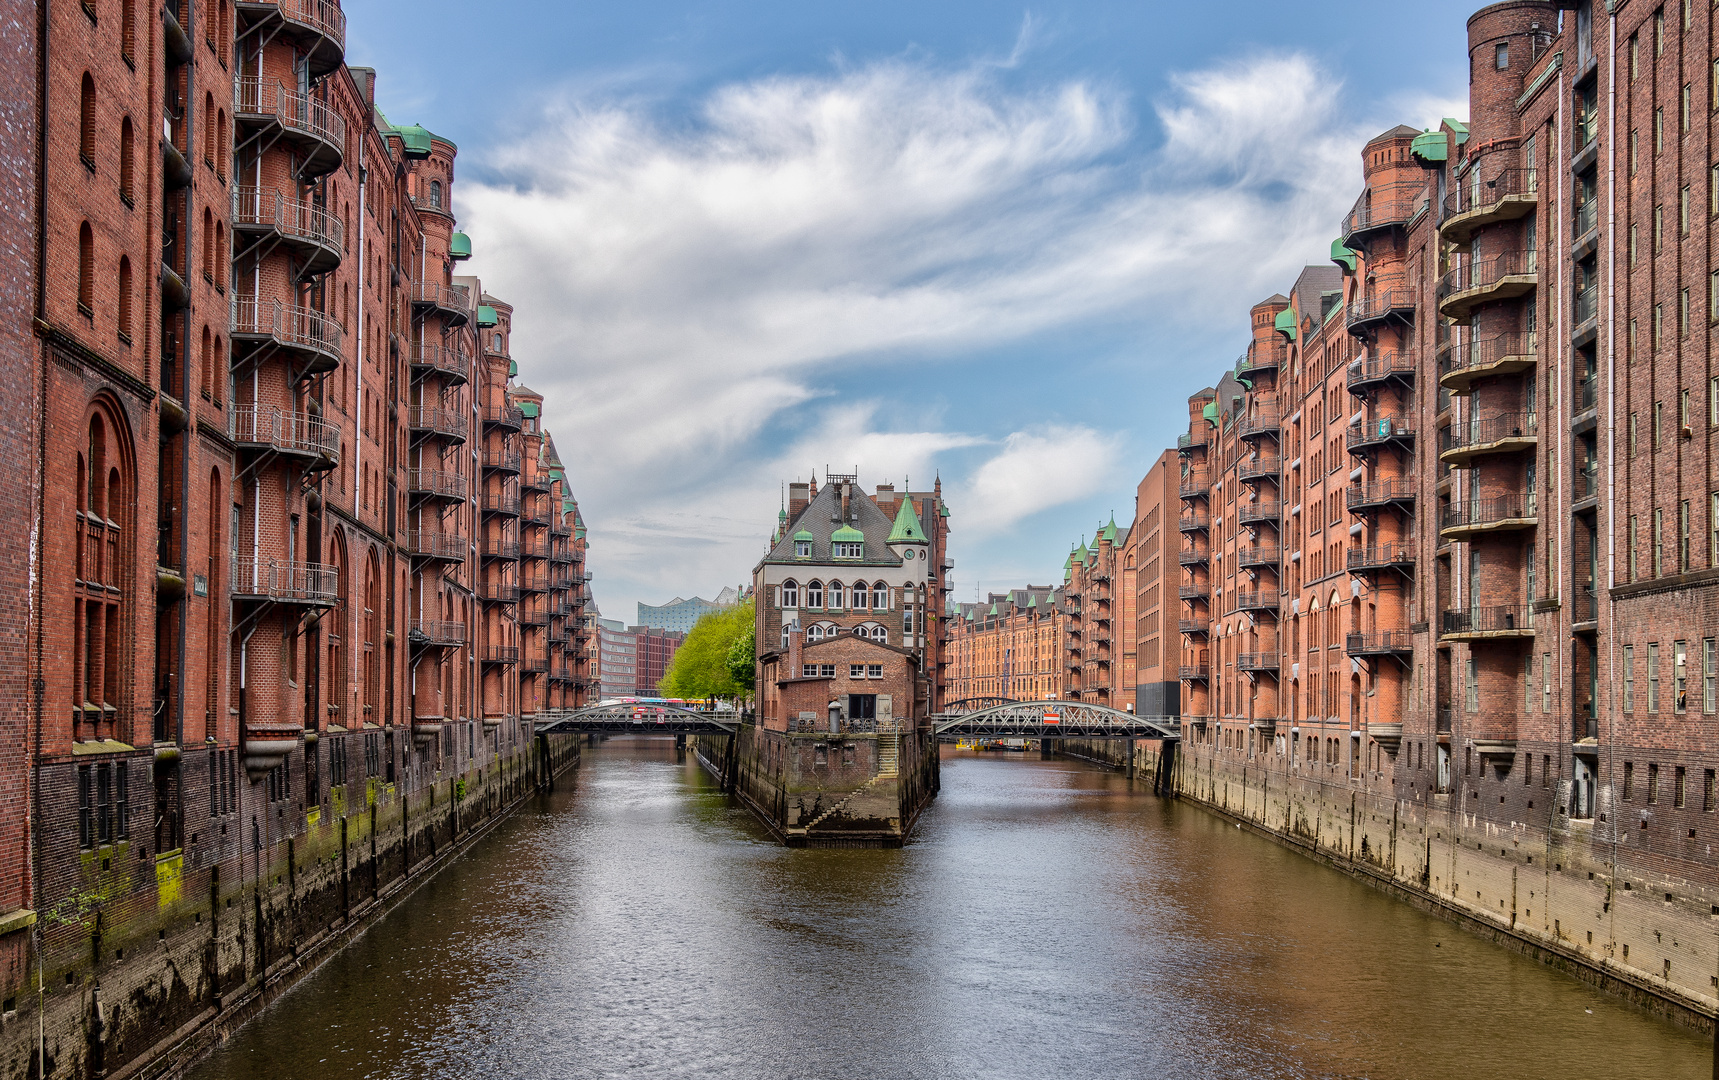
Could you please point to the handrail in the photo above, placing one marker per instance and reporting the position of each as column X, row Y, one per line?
column 1508, row 183
column 256, row 96
column 438, row 545
column 288, row 324
column 283, row 430
column 257, row 206
column 1481, row 620
column 1380, row 366
column 436, row 419
column 1488, row 351
column 1480, row 273
column 438, row 631
column 278, row 579
column 1386, row 205
column 1493, row 429
column 1520, row 506
column 1377, row 492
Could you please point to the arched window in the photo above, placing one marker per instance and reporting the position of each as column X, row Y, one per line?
column 208, row 246
column 815, row 632
column 209, row 130
column 880, row 596
column 128, row 30
column 125, row 298
column 837, row 592
column 879, row 633
column 224, row 33
column 435, row 194
column 127, row 162
column 205, row 365
column 99, row 673
column 86, row 269
column 221, row 259
column 221, row 144
column 814, row 594
column 498, row 345
column 790, row 593
column 87, row 121
column 862, row 594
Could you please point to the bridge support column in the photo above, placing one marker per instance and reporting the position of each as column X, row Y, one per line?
column 679, row 748
column 1045, row 751
column 1130, row 768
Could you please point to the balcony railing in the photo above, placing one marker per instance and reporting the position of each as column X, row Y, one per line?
column 1193, row 626
column 501, row 461
column 498, row 592
column 1586, row 218
column 1587, row 304
column 1378, row 431
column 446, row 546
column 443, row 360
column 285, row 582
column 450, row 301
column 434, row 483
column 299, row 115
column 1265, row 467
column 1501, row 354
column 1259, row 555
column 1504, row 433
column 506, row 417
column 1194, row 522
column 1478, row 281
column 294, row 433
column 1380, row 367
column 1379, row 643
column 437, row 632
column 1379, row 493
column 288, row 326
column 1263, row 422
column 1587, row 392
column 436, row 421
column 1193, row 441
column 1381, row 208
column 1379, row 556
column 1478, row 515
column 1501, row 619
column 501, row 503
column 1256, row 661
column 1489, row 196
column 1194, row 556
column 1261, row 358
column 1385, row 298
column 1261, row 600
column 305, row 226
column 1585, row 607
column 1194, row 485
column 322, row 18
column 1198, row 591
column 501, row 654
column 1259, row 511
column 495, row 547
column 1190, row 672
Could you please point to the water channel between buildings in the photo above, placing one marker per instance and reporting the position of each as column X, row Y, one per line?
column 1045, row 921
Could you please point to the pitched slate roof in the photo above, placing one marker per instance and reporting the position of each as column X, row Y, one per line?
column 815, row 519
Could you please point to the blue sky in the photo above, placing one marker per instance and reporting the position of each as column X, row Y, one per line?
column 998, row 243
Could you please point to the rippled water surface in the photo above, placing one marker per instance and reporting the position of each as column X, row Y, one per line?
column 1046, row 921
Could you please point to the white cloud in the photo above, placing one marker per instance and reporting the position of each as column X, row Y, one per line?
column 687, row 290
column 1035, row 471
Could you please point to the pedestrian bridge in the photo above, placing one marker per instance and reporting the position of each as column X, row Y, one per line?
column 638, row 718
column 997, row 718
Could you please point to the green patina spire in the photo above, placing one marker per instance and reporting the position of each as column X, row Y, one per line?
column 907, row 528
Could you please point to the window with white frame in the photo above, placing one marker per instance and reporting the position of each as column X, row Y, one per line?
column 856, row 671
column 862, row 596
column 874, row 671
column 814, row 594
column 848, row 551
column 802, row 549
column 790, row 593
column 835, row 596
column 880, row 596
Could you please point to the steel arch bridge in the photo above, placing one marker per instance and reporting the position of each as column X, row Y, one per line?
column 638, row 718
column 1053, row 720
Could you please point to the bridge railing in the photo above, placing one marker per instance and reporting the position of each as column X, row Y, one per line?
column 843, row 726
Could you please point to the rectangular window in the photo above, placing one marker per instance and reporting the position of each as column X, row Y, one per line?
column 1679, row 796
column 1679, row 676
column 1528, row 683
column 104, row 804
column 1659, row 33
column 1546, row 682
column 86, row 808
column 1683, row 211
column 1708, row 676
column 1659, row 543
column 1652, row 784
column 1683, row 536
column 1683, row 314
column 874, row 671
column 1659, row 130
column 122, row 802
column 826, row 671
column 1471, row 691
column 1683, row 119
column 1629, row 781
column 1629, row 348
column 1658, row 229
column 1707, row 791
column 1653, row 677
column 1632, row 434
column 1629, row 678
column 1658, row 422
column 1631, row 548
column 856, row 671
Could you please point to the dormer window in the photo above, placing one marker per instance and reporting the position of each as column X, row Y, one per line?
column 802, row 549
column 848, row 551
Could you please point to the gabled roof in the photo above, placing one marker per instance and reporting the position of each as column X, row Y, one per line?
column 870, row 522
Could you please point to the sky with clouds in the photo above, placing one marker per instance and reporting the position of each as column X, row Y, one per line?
column 994, row 243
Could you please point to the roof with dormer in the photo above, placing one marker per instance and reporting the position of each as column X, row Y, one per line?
column 822, row 521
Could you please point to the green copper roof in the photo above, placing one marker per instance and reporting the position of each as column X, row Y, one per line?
column 782, row 515
column 1080, row 553
column 847, row 534
column 1210, row 412
column 512, row 370
column 528, row 408
column 1109, row 532
column 1342, row 256
column 579, row 533
column 1430, row 147
column 459, row 246
column 417, row 141
column 993, row 610
column 1068, row 562
column 804, row 535
column 1285, row 323
column 487, row 315
column 1032, row 601
column 907, row 528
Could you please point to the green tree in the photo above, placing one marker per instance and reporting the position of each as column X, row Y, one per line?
column 743, row 659
column 701, row 666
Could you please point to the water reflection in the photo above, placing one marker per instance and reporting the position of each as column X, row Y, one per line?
column 1046, row 922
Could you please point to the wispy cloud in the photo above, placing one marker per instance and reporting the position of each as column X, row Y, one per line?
column 693, row 292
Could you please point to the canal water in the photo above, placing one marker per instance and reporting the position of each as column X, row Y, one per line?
column 1045, row 922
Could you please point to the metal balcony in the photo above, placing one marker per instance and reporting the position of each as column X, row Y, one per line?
column 1259, row 555
column 1465, row 520
column 1380, row 643
column 501, row 654
column 444, row 360
column 1387, row 206
column 1483, row 281
column 497, row 547
column 1507, row 196
column 502, row 461
column 451, row 302
column 1263, row 424
column 309, row 336
column 1194, row 672
column 291, row 434
column 1259, row 512
column 318, row 27
column 428, row 421
column 281, row 582
column 1194, row 627
column 314, row 236
column 1373, row 557
column 1194, row 485
column 438, row 546
column 1193, row 440
column 1258, row 662
column 503, row 503
column 1190, row 523
column 264, row 109
column 1367, row 435
column 1264, row 467
column 534, row 583
column 1507, row 433
column 1262, row 600
column 1378, row 494
column 1378, row 369
column 1194, row 556
column 436, row 632
column 436, row 484
column 1501, row 354
column 1485, row 623
column 1388, row 300
column 1197, row 591
column 498, row 592
column 1260, row 359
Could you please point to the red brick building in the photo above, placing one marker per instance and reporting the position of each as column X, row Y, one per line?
column 295, row 554
column 1448, row 604
column 1009, row 645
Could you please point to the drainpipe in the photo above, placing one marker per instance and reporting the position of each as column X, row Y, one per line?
column 38, row 687
column 1611, row 407
column 363, row 263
